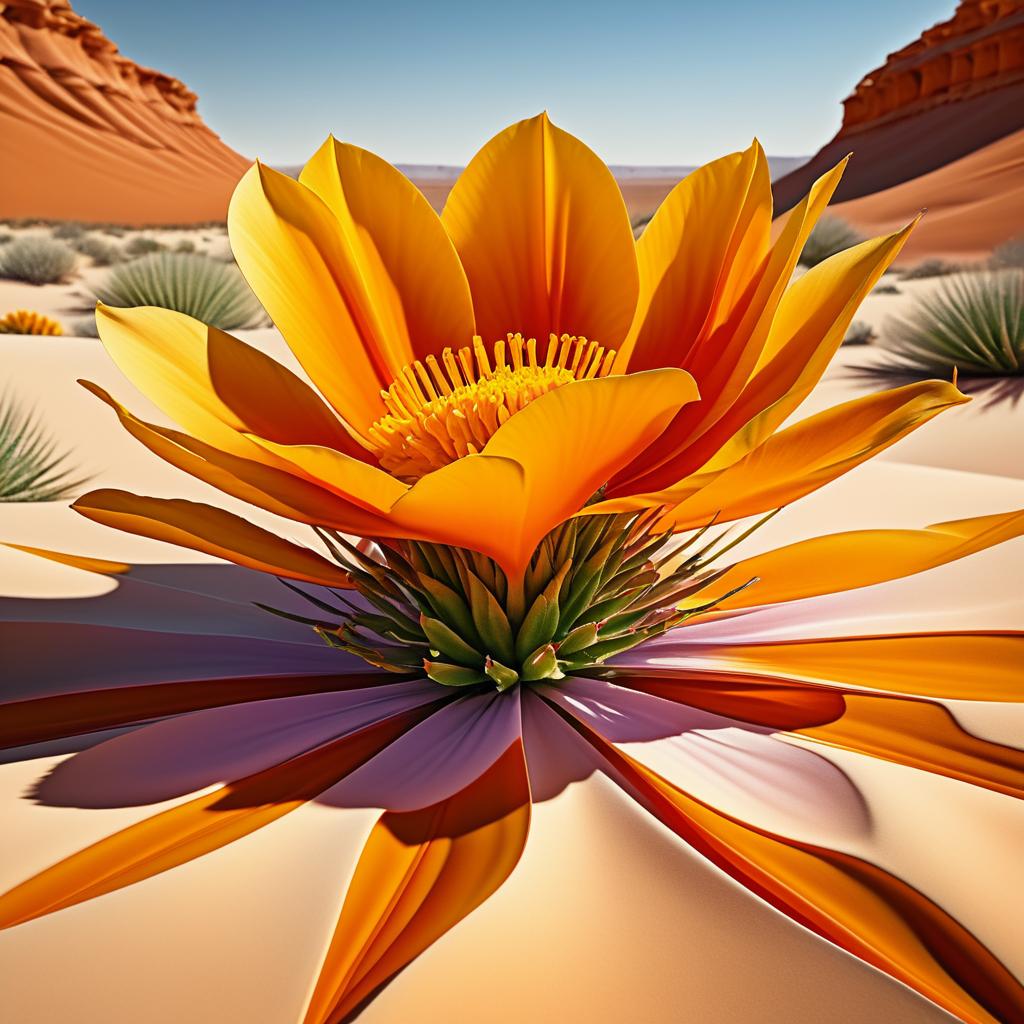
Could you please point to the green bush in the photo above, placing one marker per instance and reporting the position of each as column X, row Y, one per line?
column 31, row 466
column 930, row 268
column 37, row 260
column 887, row 289
column 206, row 289
column 859, row 333
column 185, row 245
column 973, row 322
column 142, row 245
column 100, row 252
column 6, row 237
column 68, row 229
column 829, row 236
column 1010, row 254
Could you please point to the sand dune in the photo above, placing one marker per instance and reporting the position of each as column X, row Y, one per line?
column 90, row 135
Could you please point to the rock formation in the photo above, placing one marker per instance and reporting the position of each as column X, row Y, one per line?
column 954, row 92
column 89, row 135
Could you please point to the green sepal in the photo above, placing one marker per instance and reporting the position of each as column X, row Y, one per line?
column 504, row 677
column 452, row 675
column 542, row 664
column 449, row 643
column 449, row 605
column 490, row 621
column 578, row 638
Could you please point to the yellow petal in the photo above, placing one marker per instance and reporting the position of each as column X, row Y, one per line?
column 543, row 464
column 699, row 252
column 268, row 487
column 420, row 873
column 724, row 357
column 861, row 558
column 810, row 325
column 101, row 565
column 214, row 385
column 797, row 460
column 318, row 287
column 541, row 228
column 400, row 254
column 211, row 530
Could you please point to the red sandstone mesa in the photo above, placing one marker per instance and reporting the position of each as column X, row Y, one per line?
column 90, row 135
column 939, row 125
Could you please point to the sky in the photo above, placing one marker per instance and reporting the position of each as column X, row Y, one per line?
column 664, row 82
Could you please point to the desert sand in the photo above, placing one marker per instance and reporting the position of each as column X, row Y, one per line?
column 90, row 135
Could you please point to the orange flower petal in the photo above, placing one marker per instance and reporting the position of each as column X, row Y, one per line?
column 861, row 558
column 798, row 460
column 199, row 826
column 542, row 230
column 398, row 246
column 951, row 666
column 420, row 873
column 543, row 464
column 213, row 531
column 214, row 385
column 729, row 346
column 318, row 287
column 89, row 564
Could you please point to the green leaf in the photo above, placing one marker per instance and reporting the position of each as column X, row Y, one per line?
column 542, row 664
column 453, row 675
column 449, row 643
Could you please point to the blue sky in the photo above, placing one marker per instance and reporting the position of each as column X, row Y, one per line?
column 642, row 82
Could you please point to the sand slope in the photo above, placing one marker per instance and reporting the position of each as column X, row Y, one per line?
column 89, row 135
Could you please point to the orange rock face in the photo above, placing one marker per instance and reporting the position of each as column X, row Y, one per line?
column 937, row 127
column 89, row 135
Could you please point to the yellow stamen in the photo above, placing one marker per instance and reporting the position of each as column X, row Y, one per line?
column 442, row 409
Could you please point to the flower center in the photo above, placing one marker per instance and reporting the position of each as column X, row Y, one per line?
column 596, row 586
column 440, row 411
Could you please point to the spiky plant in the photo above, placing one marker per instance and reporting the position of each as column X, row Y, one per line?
column 32, row 467
column 102, row 253
column 204, row 288
column 595, row 587
column 972, row 322
column 37, row 260
column 26, row 321
column 830, row 235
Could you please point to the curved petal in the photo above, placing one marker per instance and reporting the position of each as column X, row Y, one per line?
column 198, row 826
column 706, row 243
column 420, row 873
column 861, row 558
column 315, row 282
column 952, row 666
column 268, row 487
column 211, row 530
column 542, row 230
column 409, row 266
column 798, row 460
column 729, row 346
column 214, row 385
column 541, row 466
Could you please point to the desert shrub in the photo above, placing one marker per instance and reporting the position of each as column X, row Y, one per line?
column 930, row 268
column 859, row 333
column 185, row 245
column 68, row 229
column 207, row 289
column 142, row 245
column 26, row 321
column 101, row 253
column 5, row 237
column 114, row 231
column 887, row 289
column 830, row 235
column 1009, row 254
column 84, row 327
column 37, row 260
column 32, row 467
column 639, row 223
column 973, row 322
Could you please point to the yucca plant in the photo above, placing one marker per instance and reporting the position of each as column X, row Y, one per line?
column 972, row 322
column 204, row 288
column 32, row 467
column 830, row 235
column 37, row 260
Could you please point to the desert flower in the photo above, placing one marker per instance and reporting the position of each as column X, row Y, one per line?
column 26, row 321
column 537, row 427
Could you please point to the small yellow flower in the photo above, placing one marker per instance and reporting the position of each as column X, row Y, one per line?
column 26, row 321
